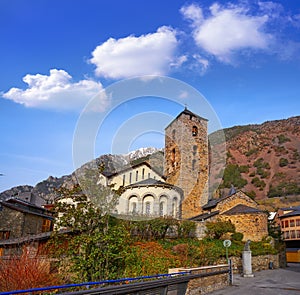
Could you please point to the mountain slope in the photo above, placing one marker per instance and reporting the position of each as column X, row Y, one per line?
column 267, row 157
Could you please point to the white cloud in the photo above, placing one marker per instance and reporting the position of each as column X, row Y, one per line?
column 56, row 91
column 202, row 63
column 151, row 54
column 227, row 30
column 193, row 13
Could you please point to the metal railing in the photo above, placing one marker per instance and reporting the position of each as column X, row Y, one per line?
column 163, row 284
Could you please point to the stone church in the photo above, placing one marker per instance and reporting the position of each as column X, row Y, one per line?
column 182, row 191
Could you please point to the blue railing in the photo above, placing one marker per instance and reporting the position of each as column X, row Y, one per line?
column 88, row 284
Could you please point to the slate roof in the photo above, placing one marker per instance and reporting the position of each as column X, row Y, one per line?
column 187, row 112
column 241, row 209
column 153, row 182
column 295, row 212
column 204, row 216
column 25, row 207
column 130, row 167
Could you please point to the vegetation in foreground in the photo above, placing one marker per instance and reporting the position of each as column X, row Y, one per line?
column 99, row 246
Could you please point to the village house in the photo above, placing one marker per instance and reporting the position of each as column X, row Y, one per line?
column 22, row 222
column 289, row 222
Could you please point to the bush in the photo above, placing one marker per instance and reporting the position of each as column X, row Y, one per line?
column 258, row 183
column 232, row 176
column 282, row 139
column 216, row 229
column 237, row 237
column 283, row 162
column 25, row 272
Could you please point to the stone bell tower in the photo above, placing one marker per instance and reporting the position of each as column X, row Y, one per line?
column 186, row 160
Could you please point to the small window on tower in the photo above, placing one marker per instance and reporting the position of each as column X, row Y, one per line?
column 195, row 131
column 173, row 134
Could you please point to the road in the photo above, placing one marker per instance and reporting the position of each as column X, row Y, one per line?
column 283, row 281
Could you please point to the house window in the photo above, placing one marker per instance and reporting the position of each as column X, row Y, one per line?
column 133, row 209
column 130, row 177
column 292, row 222
column 173, row 157
column 136, row 175
column 195, row 131
column 124, row 180
column 133, row 204
column 4, row 235
column 173, row 134
column 282, row 224
column 298, row 234
column 193, row 164
column 143, row 173
column 148, row 208
column 194, row 150
column 297, row 222
column 286, row 223
column 174, row 207
column 293, row 234
column 161, row 209
column 46, row 225
column 286, row 235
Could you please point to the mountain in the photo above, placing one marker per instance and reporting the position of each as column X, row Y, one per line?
column 263, row 160
column 45, row 191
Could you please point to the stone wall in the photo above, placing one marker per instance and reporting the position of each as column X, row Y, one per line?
column 205, row 284
column 186, row 160
column 254, row 226
column 12, row 221
column 260, row 262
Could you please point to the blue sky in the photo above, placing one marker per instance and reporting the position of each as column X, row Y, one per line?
column 242, row 56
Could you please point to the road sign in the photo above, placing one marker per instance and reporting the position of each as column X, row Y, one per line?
column 227, row 243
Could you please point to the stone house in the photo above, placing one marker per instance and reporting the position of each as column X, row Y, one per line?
column 21, row 220
column 241, row 211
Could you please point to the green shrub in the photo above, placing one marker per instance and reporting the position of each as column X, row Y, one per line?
column 237, row 236
column 232, row 176
column 258, row 183
column 252, row 152
column 283, row 162
column 215, row 229
column 282, row 138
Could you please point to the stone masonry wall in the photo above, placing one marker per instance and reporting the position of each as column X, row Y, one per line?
column 254, row 227
column 12, row 221
column 186, row 161
column 238, row 198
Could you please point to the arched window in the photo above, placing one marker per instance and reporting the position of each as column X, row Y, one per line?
column 173, row 134
column 133, row 204
column 134, row 208
column 148, row 208
column 148, row 203
column 175, row 207
column 195, row 131
column 161, row 208
column 143, row 173
column 173, row 157
column 123, row 179
column 130, row 177
column 194, row 150
column 136, row 175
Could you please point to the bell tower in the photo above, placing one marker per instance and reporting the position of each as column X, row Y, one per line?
column 186, row 160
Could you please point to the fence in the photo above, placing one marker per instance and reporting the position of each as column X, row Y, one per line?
column 178, row 283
